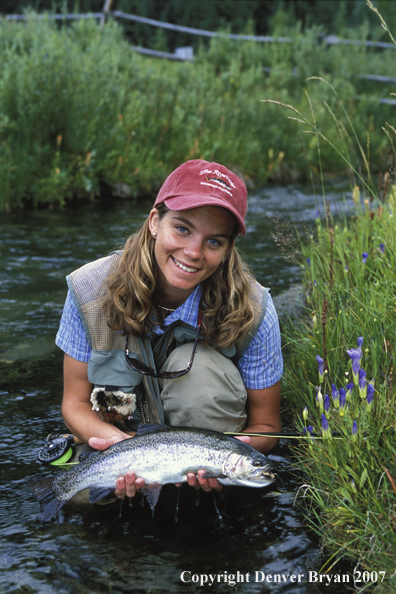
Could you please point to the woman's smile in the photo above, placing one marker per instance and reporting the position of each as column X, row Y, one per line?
column 184, row 267
column 189, row 246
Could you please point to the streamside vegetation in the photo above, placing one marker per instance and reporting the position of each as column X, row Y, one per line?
column 340, row 383
column 340, row 379
column 83, row 115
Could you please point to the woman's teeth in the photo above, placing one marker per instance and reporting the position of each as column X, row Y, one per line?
column 184, row 267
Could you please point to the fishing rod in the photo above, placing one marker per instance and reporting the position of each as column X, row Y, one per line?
column 290, row 435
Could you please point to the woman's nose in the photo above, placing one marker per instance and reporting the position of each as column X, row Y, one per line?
column 193, row 249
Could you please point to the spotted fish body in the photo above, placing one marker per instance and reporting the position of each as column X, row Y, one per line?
column 159, row 455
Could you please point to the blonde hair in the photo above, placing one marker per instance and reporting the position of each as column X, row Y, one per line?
column 132, row 290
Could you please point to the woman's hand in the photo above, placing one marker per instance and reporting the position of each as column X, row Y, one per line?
column 128, row 485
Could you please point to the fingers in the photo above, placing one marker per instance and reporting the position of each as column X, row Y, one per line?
column 102, row 444
column 198, row 482
column 244, row 438
column 128, row 485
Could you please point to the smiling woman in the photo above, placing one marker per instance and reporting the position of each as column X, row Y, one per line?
column 189, row 247
column 173, row 329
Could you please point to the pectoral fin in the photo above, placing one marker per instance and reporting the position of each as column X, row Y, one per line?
column 97, row 493
column 152, row 492
column 213, row 475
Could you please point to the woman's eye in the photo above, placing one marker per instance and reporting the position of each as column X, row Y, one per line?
column 181, row 229
column 214, row 242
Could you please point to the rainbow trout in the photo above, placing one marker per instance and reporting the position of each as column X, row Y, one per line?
column 160, row 455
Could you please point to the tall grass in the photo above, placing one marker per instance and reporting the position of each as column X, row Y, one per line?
column 350, row 497
column 82, row 114
column 340, row 378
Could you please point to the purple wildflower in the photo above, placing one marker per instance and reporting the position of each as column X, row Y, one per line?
column 320, row 365
column 326, row 403
column 362, row 383
column 370, row 395
column 309, row 261
column 354, row 431
column 325, row 427
column 308, row 429
column 349, row 388
column 355, row 355
column 362, row 387
column 382, row 247
column 342, row 401
column 335, row 395
column 364, row 257
column 360, row 342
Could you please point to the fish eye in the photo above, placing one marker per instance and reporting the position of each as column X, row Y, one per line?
column 257, row 463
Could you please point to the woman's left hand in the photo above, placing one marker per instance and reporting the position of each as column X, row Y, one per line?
column 198, row 482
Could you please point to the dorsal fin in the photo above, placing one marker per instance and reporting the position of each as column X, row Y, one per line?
column 148, row 428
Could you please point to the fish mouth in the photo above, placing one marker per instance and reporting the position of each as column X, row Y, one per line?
column 265, row 474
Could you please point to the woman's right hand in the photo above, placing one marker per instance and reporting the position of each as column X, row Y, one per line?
column 128, row 485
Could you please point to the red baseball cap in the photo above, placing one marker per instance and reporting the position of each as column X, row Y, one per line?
column 200, row 183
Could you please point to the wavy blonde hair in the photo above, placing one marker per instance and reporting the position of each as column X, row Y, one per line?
column 133, row 289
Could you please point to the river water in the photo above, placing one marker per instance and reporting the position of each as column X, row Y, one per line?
column 117, row 550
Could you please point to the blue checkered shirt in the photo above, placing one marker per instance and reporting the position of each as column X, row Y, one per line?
column 261, row 365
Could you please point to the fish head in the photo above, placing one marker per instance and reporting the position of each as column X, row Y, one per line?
column 248, row 470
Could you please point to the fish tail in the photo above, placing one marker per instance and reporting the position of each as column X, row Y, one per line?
column 43, row 491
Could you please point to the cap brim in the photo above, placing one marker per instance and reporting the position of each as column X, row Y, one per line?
column 190, row 202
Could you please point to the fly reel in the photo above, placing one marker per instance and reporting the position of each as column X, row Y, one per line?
column 57, row 451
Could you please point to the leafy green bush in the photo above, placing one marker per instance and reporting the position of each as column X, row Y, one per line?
column 83, row 114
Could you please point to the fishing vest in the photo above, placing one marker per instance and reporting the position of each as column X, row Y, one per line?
column 107, row 369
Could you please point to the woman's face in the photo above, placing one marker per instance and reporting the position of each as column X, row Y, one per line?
column 189, row 246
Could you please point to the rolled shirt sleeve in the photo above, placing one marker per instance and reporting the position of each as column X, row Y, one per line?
column 261, row 365
column 71, row 337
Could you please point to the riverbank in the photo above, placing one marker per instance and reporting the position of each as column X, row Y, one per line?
column 340, row 383
column 82, row 114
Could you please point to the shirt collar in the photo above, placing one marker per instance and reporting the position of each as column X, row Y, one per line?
column 187, row 312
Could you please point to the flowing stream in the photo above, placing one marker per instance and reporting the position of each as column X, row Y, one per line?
column 118, row 550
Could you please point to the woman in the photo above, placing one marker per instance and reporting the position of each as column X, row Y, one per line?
column 173, row 329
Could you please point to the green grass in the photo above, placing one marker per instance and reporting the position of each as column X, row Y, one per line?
column 81, row 113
